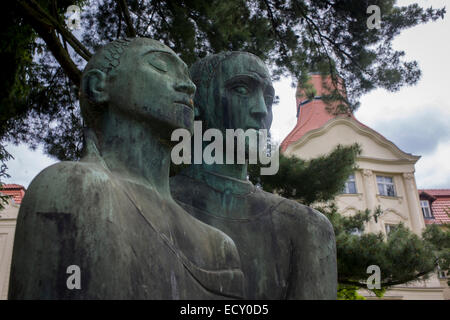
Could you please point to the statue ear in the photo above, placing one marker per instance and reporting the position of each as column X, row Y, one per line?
column 94, row 85
column 196, row 112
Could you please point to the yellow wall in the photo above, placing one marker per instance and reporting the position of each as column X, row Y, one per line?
column 379, row 157
column 8, row 217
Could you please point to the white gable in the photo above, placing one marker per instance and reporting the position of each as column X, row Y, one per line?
column 346, row 131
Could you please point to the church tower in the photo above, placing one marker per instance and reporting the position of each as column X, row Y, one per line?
column 312, row 109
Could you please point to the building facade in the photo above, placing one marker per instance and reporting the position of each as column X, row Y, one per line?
column 8, row 218
column 384, row 177
column 435, row 205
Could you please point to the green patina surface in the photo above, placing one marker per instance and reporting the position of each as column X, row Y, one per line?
column 287, row 250
column 112, row 213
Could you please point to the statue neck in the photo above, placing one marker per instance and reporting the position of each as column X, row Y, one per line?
column 227, row 173
column 222, row 177
column 236, row 171
column 135, row 152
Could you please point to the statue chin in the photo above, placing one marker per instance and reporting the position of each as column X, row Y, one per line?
column 166, row 120
column 187, row 117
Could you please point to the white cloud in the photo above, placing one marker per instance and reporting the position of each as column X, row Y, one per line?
column 284, row 113
column 417, row 132
column 26, row 164
column 427, row 101
column 433, row 171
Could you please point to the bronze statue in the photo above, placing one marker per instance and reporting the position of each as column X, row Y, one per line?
column 287, row 250
column 111, row 214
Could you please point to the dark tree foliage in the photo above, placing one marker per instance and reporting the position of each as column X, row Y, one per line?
column 319, row 179
column 440, row 237
column 4, row 157
column 16, row 55
column 402, row 256
column 39, row 101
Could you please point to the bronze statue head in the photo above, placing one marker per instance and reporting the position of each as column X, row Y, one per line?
column 142, row 80
column 234, row 91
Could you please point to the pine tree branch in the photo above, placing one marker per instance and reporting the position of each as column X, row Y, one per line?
column 274, row 27
column 140, row 18
column 388, row 283
column 119, row 29
column 40, row 15
column 130, row 31
column 46, row 31
column 158, row 9
column 150, row 20
column 329, row 40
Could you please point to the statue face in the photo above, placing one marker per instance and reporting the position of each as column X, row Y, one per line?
column 152, row 84
column 245, row 93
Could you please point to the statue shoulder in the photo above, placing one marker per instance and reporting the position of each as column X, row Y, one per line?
column 313, row 248
column 66, row 185
column 299, row 214
column 178, row 183
column 58, row 219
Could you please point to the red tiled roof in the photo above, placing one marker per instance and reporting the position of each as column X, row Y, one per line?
column 439, row 206
column 314, row 114
column 437, row 192
column 12, row 186
column 16, row 191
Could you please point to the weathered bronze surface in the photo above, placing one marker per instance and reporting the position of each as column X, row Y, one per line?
column 112, row 213
column 287, row 250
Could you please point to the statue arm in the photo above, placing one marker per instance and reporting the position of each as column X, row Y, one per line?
column 313, row 267
column 49, row 235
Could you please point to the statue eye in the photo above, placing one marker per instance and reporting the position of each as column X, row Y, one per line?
column 241, row 89
column 269, row 98
column 158, row 63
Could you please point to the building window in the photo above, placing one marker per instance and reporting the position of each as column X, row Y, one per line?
column 390, row 228
column 386, row 186
column 426, row 209
column 356, row 232
column 350, row 185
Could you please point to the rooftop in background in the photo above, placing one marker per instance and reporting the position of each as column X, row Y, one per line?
column 313, row 112
column 16, row 191
column 440, row 203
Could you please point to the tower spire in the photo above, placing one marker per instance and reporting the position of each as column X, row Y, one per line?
column 317, row 102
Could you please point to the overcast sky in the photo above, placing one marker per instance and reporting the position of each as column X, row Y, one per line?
column 416, row 119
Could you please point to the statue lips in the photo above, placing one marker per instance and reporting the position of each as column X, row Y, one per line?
column 255, row 124
column 256, row 128
column 187, row 102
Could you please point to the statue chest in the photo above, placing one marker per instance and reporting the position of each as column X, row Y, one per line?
column 264, row 252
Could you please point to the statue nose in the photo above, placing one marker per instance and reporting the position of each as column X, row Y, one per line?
column 186, row 86
column 259, row 110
